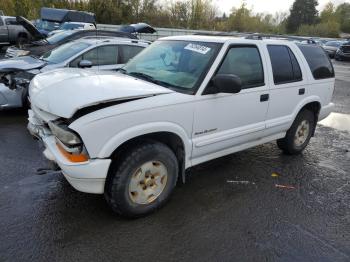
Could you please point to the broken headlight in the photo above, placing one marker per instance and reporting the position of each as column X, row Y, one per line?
column 67, row 136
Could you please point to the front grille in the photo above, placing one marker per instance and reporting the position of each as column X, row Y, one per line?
column 345, row 49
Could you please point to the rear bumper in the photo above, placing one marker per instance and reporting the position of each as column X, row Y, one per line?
column 325, row 111
column 88, row 176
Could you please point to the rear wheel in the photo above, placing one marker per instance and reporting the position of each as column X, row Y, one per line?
column 299, row 134
column 143, row 180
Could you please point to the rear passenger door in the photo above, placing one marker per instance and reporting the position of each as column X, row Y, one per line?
column 287, row 87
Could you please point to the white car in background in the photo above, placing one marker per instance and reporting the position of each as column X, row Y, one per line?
column 102, row 53
column 183, row 101
column 73, row 26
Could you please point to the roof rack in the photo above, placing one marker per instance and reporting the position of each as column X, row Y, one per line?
column 258, row 36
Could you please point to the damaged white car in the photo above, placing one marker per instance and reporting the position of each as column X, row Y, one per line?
column 103, row 53
column 181, row 102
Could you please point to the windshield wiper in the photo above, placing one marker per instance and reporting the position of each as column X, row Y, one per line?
column 122, row 70
column 141, row 75
column 151, row 79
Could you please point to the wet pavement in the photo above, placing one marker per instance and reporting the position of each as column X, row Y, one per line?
column 229, row 210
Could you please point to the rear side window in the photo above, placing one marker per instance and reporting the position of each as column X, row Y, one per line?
column 244, row 62
column 285, row 66
column 127, row 52
column 11, row 21
column 319, row 63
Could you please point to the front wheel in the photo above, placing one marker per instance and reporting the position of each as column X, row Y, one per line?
column 143, row 180
column 299, row 134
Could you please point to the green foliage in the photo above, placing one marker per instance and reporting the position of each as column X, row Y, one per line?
column 328, row 29
column 343, row 14
column 303, row 12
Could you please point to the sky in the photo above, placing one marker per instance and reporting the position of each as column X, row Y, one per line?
column 266, row 6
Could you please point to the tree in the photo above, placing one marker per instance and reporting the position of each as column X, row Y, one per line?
column 302, row 12
column 343, row 13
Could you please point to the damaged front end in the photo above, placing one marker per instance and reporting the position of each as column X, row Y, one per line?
column 15, row 78
column 14, row 88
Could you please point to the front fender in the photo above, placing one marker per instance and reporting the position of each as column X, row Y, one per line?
column 144, row 129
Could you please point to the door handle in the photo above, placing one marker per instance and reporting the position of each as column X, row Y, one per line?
column 264, row 97
column 301, row 91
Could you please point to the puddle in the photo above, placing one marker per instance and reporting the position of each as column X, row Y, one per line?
column 337, row 121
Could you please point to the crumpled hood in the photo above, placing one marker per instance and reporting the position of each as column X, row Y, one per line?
column 21, row 63
column 62, row 92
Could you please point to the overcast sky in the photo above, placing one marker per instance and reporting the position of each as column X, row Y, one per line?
column 266, row 6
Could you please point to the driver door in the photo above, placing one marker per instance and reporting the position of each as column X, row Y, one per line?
column 225, row 123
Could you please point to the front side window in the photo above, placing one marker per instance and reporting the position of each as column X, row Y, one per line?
column 319, row 62
column 103, row 55
column 179, row 65
column 285, row 66
column 107, row 55
column 126, row 52
column 244, row 62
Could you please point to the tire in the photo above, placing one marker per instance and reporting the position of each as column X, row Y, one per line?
column 296, row 139
column 129, row 192
column 25, row 98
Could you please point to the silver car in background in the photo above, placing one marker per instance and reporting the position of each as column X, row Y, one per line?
column 97, row 53
column 331, row 47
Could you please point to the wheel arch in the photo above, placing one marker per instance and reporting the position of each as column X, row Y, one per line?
column 312, row 104
column 171, row 135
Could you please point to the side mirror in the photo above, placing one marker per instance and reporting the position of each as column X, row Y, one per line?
column 224, row 83
column 85, row 64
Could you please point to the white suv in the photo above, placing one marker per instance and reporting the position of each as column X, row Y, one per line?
column 182, row 101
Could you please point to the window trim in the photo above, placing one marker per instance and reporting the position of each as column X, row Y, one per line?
column 223, row 59
column 290, row 59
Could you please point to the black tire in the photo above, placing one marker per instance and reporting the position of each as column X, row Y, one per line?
column 25, row 98
column 117, row 184
column 288, row 144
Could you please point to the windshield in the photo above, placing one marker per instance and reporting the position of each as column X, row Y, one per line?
column 174, row 64
column 46, row 25
column 58, row 37
column 68, row 26
column 63, row 52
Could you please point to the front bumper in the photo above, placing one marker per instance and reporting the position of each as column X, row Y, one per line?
column 88, row 176
column 13, row 51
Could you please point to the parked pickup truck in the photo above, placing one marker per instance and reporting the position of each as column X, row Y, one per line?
column 11, row 32
column 182, row 101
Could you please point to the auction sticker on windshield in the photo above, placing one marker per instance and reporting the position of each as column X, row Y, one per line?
column 197, row 48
